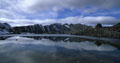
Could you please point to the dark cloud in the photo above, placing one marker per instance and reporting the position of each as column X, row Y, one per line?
column 55, row 5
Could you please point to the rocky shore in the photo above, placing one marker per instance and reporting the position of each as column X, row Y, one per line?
column 100, row 31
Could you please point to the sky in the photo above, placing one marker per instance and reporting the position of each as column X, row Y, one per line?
column 45, row 12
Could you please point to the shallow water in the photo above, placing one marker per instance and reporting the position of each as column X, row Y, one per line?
column 53, row 49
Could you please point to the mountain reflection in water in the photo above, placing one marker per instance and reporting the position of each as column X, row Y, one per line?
column 37, row 49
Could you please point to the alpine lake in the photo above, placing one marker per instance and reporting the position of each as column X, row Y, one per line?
column 58, row 49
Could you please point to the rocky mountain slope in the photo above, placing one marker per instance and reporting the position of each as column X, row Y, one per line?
column 4, row 28
column 101, row 31
column 116, row 27
column 39, row 29
column 52, row 29
column 74, row 29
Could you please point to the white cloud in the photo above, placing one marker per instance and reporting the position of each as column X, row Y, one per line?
column 9, row 14
column 107, row 20
column 8, row 9
column 13, row 11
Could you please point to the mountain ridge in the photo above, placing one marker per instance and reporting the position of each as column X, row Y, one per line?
column 73, row 29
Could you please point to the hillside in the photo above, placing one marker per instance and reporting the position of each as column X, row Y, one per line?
column 4, row 28
column 57, row 28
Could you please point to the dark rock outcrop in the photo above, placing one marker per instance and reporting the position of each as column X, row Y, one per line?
column 116, row 27
column 98, row 26
column 100, row 31
column 52, row 29
column 76, row 28
column 4, row 28
column 39, row 29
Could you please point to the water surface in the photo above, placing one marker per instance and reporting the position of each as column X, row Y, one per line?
column 57, row 49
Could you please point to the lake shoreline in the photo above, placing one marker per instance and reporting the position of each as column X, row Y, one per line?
column 65, row 35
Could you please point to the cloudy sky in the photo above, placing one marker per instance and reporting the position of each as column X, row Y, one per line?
column 28, row 12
